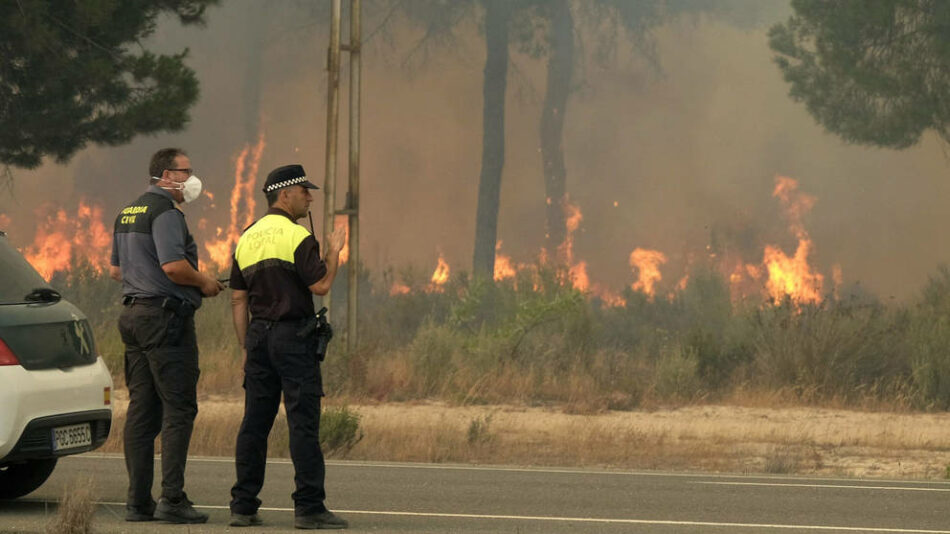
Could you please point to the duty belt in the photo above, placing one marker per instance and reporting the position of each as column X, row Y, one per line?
column 169, row 303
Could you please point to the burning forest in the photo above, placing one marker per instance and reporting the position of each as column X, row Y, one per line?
column 67, row 238
column 645, row 250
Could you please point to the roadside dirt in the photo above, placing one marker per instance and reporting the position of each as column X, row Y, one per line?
column 710, row 438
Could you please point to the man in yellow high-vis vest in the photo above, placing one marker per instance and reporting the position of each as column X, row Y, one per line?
column 276, row 268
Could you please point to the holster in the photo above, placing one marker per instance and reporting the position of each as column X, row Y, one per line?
column 318, row 327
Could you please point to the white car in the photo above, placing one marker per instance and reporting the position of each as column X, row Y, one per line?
column 55, row 390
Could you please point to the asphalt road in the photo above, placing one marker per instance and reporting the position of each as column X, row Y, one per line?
column 420, row 498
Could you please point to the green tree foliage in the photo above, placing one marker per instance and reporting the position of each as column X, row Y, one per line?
column 74, row 72
column 874, row 72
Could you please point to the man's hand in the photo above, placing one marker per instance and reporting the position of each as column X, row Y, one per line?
column 210, row 287
column 337, row 240
column 182, row 273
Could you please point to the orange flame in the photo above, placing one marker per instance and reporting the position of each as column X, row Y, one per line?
column 793, row 276
column 684, row 281
column 399, row 288
column 577, row 272
column 609, row 298
column 248, row 160
column 647, row 264
column 60, row 240
column 578, row 276
column 440, row 276
column 503, row 266
column 573, row 218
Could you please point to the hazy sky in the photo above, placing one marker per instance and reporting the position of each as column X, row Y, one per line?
column 682, row 151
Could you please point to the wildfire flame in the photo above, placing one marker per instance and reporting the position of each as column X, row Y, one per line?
column 503, row 266
column 793, row 276
column 577, row 272
column 780, row 275
column 440, row 276
column 684, row 281
column 578, row 276
column 608, row 297
column 60, row 240
column 647, row 265
column 399, row 288
column 245, row 173
column 573, row 218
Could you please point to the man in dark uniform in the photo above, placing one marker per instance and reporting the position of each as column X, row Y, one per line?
column 276, row 268
column 156, row 259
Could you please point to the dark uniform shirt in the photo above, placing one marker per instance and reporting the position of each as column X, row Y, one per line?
column 149, row 233
column 276, row 260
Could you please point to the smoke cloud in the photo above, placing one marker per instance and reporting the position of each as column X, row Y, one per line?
column 672, row 159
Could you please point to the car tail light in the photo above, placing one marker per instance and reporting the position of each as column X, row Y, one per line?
column 107, row 395
column 6, row 355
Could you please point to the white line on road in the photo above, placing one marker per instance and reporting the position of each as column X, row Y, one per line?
column 601, row 520
column 839, row 486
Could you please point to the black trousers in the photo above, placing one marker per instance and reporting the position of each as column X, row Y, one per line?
column 161, row 372
column 280, row 361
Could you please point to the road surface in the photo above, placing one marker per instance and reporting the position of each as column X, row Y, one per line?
column 421, row 498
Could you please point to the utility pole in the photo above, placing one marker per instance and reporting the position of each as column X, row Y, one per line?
column 351, row 208
column 353, row 196
column 333, row 117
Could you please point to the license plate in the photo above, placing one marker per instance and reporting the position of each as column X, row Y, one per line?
column 69, row 437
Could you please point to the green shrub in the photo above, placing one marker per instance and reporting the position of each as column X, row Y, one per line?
column 928, row 340
column 676, row 376
column 533, row 338
column 339, row 430
column 432, row 355
column 833, row 349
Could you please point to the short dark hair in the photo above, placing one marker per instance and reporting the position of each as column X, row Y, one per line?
column 164, row 159
column 271, row 197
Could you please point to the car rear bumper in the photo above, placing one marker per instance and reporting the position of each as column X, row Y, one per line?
column 37, row 438
column 28, row 398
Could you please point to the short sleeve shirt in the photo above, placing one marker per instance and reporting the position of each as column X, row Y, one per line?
column 276, row 261
column 141, row 255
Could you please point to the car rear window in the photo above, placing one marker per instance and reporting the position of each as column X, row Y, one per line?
column 19, row 277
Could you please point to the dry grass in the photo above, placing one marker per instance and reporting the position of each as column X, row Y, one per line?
column 76, row 509
column 704, row 438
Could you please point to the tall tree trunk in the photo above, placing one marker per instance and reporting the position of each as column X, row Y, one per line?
column 257, row 26
column 497, row 15
column 560, row 70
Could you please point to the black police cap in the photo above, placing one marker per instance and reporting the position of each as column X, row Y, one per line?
column 287, row 176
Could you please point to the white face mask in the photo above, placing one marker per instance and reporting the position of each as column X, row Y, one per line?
column 190, row 188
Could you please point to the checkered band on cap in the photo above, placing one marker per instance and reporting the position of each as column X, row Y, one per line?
column 285, row 183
